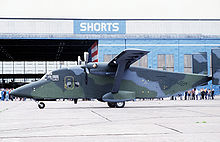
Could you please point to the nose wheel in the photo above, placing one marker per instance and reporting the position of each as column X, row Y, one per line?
column 41, row 105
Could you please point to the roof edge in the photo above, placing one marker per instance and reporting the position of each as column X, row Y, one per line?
column 7, row 18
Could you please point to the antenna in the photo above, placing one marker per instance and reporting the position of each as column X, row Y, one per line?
column 79, row 60
column 86, row 57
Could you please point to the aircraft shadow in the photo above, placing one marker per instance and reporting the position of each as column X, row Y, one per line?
column 136, row 107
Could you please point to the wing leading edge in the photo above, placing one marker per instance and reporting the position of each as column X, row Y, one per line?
column 128, row 57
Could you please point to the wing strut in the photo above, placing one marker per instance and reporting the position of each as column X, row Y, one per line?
column 123, row 62
column 118, row 76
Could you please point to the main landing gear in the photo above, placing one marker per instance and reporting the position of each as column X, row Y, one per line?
column 116, row 104
column 41, row 105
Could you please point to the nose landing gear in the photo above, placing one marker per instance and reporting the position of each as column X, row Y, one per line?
column 41, row 105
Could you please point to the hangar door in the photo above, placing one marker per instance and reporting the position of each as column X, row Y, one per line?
column 25, row 60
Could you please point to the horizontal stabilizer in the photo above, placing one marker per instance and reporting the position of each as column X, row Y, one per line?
column 199, row 63
column 216, row 66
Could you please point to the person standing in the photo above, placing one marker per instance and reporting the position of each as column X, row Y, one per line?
column 197, row 93
column 212, row 94
column 185, row 95
column 7, row 94
column 10, row 96
column 189, row 94
column 193, row 94
column 180, row 95
column 206, row 93
column 202, row 93
column 209, row 94
column 2, row 95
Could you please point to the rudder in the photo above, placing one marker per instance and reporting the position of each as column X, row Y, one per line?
column 215, row 66
column 199, row 63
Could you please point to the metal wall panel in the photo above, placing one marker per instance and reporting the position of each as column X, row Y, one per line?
column 172, row 27
column 67, row 28
column 36, row 26
column 107, row 57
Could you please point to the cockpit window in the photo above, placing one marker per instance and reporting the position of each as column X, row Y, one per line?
column 55, row 78
column 50, row 76
column 46, row 76
column 76, row 84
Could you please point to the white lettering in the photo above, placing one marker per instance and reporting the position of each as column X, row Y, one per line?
column 83, row 27
column 115, row 27
column 97, row 27
column 90, row 26
column 103, row 27
column 109, row 26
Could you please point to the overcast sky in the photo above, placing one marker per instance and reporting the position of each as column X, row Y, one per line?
column 126, row 9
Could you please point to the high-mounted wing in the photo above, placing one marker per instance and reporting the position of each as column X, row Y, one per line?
column 128, row 56
column 123, row 62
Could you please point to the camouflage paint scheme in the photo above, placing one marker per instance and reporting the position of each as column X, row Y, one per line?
column 116, row 82
column 199, row 63
column 216, row 66
column 137, row 82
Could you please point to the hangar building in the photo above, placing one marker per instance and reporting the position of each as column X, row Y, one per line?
column 35, row 46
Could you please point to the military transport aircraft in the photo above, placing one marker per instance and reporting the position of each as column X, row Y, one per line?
column 117, row 81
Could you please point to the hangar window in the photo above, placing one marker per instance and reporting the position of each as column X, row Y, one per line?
column 165, row 62
column 143, row 62
column 187, row 63
column 108, row 57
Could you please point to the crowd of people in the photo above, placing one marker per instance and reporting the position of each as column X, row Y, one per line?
column 5, row 95
column 197, row 94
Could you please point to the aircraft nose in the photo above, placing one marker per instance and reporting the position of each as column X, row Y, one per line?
column 23, row 91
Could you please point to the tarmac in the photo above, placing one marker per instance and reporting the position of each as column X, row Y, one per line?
column 151, row 121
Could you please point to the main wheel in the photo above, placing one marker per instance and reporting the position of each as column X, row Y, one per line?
column 111, row 104
column 120, row 104
column 41, row 105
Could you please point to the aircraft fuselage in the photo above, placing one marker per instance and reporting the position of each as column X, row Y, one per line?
column 77, row 83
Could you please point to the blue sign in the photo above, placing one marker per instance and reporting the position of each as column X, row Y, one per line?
column 99, row 26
